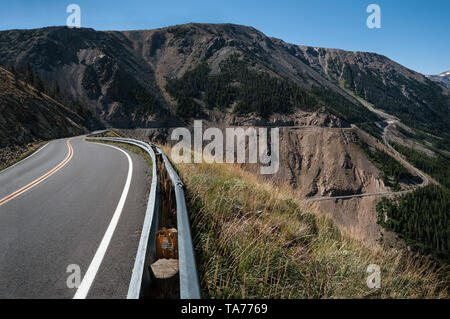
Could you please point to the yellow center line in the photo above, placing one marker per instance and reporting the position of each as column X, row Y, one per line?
column 39, row 180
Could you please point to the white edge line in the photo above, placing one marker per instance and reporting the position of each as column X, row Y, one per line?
column 28, row 157
column 89, row 277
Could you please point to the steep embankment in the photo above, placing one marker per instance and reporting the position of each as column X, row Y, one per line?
column 27, row 115
column 255, row 239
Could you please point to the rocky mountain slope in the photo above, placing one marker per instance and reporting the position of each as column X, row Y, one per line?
column 389, row 86
column 123, row 77
column 27, row 115
column 443, row 78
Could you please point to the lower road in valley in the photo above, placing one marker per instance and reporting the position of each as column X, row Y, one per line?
column 425, row 180
column 72, row 205
column 390, row 121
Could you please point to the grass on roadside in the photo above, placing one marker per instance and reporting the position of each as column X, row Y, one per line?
column 110, row 133
column 254, row 240
column 27, row 151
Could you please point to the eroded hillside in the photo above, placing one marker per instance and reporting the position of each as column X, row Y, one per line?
column 28, row 115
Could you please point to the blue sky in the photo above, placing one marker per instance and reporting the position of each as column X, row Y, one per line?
column 414, row 33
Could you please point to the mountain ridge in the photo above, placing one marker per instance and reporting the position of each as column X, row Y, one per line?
column 116, row 64
column 442, row 78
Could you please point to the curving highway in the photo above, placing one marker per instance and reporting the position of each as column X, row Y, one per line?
column 390, row 120
column 425, row 180
column 71, row 204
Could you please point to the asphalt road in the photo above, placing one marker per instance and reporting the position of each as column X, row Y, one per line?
column 65, row 205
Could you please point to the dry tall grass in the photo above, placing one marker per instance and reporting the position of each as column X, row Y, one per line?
column 255, row 240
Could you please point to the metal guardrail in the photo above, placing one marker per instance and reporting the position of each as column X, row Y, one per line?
column 146, row 254
column 189, row 284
